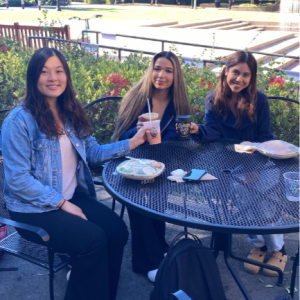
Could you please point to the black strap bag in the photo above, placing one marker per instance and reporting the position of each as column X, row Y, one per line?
column 191, row 267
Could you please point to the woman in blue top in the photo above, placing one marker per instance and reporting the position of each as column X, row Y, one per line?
column 236, row 110
column 46, row 148
column 163, row 84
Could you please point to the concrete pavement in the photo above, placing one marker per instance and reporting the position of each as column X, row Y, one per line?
column 31, row 282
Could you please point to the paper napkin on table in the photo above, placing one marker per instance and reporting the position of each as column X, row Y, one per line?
column 245, row 147
column 177, row 175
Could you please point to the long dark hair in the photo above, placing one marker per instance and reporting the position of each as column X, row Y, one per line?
column 69, row 107
column 248, row 97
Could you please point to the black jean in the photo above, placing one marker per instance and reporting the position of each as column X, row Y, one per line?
column 97, row 243
column 148, row 242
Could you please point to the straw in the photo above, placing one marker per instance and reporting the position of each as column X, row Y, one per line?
column 149, row 109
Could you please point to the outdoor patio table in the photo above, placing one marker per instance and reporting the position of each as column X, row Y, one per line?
column 248, row 196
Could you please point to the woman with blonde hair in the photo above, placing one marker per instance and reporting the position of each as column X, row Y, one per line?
column 163, row 84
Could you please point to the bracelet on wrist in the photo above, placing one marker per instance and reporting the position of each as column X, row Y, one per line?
column 63, row 203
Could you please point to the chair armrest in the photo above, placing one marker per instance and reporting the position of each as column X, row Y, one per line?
column 39, row 231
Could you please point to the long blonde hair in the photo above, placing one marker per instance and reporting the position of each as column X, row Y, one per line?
column 136, row 98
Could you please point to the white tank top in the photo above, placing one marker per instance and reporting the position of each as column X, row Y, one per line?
column 69, row 158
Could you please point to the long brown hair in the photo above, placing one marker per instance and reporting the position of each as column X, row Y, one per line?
column 136, row 98
column 69, row 107
column 248, row 97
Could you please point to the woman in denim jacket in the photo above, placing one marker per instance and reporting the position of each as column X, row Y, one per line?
column 46, row 147
column 236, row 110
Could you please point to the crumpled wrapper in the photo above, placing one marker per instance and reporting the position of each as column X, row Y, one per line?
column 245, row 147
column 178, row 174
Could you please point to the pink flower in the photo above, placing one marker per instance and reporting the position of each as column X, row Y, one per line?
column 288, row 103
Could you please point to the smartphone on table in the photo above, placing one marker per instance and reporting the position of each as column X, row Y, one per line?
column 194, row 175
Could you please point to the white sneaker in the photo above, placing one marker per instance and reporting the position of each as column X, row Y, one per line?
column 68, row 275
column 152, row 275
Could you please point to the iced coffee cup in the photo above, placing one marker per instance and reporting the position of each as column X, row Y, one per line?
column 153, row 134
column 154, row 116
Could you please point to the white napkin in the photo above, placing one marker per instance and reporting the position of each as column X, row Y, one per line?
column 177, row 175
column 245, row 147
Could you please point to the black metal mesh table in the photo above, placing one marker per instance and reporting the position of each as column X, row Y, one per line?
column 247, row 197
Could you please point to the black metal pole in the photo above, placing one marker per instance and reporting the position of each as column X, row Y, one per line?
column 22, row 4
column 7, row 4
column 217, row 3
column 58, row 5
column 39, row 4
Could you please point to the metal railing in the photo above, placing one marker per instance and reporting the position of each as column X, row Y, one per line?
column 120, row 49
column 185, row 44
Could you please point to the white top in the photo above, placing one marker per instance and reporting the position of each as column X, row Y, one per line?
column 69, row 158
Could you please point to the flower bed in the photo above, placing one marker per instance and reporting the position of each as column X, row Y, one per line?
column 94, row 77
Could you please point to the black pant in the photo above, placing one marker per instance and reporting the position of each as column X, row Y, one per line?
column 98, row 244
column 148, row 242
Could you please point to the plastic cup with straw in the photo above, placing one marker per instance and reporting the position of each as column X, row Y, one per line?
column 153, row 135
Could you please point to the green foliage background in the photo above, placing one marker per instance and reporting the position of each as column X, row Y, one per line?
column 88, row 75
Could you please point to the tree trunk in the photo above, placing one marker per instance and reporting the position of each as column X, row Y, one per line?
column 254, row 1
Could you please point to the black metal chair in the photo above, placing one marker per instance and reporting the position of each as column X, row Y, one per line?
column 14, row 244
column 103, row 113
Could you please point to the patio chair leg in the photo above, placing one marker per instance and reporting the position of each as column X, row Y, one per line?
column 113, row 204
column 122, row 211
column 51, row 273
column 294, row 273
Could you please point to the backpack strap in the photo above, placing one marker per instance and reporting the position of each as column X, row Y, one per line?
column 181, row 295
column 181, row 234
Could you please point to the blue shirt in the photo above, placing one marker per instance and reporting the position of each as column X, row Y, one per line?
column 33, row 166
column 167, row 124
column 216, row 128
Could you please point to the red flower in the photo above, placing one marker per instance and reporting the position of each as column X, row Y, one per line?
column 277, row 80
column 203, row 82
column 3, row 49
column 104, row 79
column 115, row 92
column 288, row 103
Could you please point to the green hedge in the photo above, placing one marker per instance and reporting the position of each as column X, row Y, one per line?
column 94, row 77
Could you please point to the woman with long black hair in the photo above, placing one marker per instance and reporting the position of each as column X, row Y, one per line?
column 46, row 147
column 237, row 110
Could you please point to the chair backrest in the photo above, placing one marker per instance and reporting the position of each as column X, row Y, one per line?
column 3, row 209
column 285, row 119
column 103, row 114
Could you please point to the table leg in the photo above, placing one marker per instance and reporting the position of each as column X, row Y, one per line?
column 294, row 273
column 222, row 242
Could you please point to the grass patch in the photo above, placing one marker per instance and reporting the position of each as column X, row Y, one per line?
column 143, row 13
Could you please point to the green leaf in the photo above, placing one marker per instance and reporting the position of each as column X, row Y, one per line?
column 260, row 280
column 286, row 272
column 269, row 286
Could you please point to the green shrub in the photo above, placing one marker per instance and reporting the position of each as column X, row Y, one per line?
column 95, row 77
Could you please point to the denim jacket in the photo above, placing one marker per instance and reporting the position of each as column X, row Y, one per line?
column 33, row 166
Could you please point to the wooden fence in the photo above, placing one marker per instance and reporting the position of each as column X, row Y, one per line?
column 21, row 33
